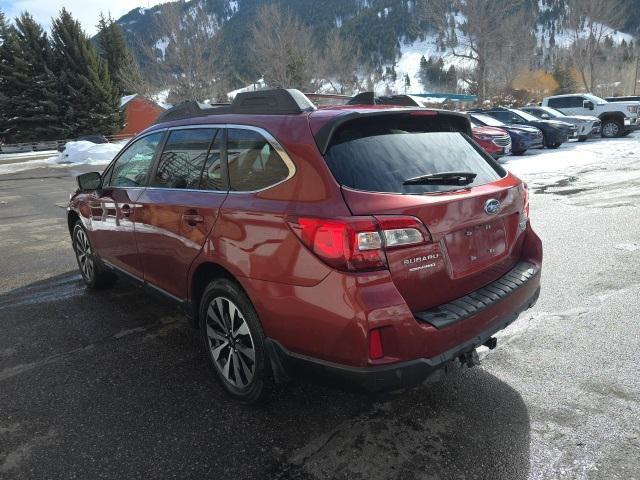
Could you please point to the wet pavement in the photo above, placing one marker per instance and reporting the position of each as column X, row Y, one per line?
column 113, row 385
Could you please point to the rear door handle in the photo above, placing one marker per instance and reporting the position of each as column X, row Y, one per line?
column 192, row 218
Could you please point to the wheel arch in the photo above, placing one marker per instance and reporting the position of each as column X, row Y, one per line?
column 619, row 116
column 200, row 278
column 72, row 218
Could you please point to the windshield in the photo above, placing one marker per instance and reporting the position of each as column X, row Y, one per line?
column 383, row 162
column 553, row 112
column 487, row 120
column 596, row 100
column 527, row 116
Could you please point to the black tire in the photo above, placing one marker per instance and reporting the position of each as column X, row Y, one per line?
column 93, row 273
column 582, row 138
column 247, row 380
column 611, row 129
column 555, row 145
column 518, row 152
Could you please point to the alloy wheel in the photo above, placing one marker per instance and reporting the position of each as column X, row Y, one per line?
column 84, row 255
column 611, row 129
column 230, row 342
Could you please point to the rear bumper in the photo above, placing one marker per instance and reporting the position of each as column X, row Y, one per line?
column 413, row 372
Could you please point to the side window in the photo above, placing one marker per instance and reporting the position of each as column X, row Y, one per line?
column 184, row 157
column 253, row 163
column 505, row 117
column 561, row 102
column 132, row 167
column 577, row 102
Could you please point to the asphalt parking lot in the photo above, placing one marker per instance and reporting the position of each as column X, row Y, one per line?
column 113, row 385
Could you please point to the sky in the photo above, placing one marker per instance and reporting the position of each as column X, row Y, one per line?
column 86, row 11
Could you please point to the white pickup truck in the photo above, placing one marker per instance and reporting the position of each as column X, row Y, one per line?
column 618, row 118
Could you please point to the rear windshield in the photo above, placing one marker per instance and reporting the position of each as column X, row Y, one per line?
column 374, row 156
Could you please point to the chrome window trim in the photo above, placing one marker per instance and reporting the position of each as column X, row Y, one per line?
column 268, row 137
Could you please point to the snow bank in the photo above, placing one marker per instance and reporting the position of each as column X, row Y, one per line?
column 87, row 153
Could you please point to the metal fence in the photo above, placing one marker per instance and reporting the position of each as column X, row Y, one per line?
column 50, row 145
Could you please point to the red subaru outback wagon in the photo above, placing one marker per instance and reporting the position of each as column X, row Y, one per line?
column 373, row 244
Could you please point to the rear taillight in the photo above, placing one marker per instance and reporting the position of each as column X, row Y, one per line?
column 358, row 243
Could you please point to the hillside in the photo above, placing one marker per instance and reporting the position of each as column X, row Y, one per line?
column 386, row 31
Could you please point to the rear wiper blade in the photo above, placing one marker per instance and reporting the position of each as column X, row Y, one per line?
column 442, row 178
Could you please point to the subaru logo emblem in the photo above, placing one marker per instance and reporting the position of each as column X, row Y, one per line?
column 492, row 206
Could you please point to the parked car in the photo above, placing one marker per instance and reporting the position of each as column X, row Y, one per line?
column 587, row 126
column 522, row 137
column 370, row 244
column 618, row 118
column 554, row 133
column 495, row 141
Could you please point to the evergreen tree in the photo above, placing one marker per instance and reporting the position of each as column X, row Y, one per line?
column 31, row 87
column 8, row 86
column 112, row 47
column 566, row 81
column 451, row 78
column 88, row 98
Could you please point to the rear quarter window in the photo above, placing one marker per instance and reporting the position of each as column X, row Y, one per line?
column 379, row 155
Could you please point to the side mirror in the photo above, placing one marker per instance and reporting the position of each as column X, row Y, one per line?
column 545, row 116
column 89, row 181
column 588, row 104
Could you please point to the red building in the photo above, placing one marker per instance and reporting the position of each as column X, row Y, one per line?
column 139, row 113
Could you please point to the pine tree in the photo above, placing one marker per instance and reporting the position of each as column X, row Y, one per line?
column 8, row 87
column 31, row 85
column 113, row 48
column 566, row 81
column 89, row 99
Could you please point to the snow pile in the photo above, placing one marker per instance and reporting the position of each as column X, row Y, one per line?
column 87, row 153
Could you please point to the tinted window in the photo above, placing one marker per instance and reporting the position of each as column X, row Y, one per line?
column 132, row 167
column 506, row 117
column 382, row 162
column 575, row 102
column 562, row 102
column 184, row 157
column 253, row 163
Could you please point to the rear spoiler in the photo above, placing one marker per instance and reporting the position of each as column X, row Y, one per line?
column 458, row 122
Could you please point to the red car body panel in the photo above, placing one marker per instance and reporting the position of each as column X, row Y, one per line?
column 305, row 305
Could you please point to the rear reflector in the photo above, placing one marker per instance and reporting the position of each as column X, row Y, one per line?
column 358, row 243
column 375, row 345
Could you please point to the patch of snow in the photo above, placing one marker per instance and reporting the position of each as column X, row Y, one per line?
column 574, row 171
column 259, row 85
column 87, row 153
column 338, row 22
column 161, row 44
column 126, row 99
column 233, row 5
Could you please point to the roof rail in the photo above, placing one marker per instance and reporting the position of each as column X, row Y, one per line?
column 263, row 102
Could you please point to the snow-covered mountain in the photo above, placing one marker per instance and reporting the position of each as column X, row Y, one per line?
column 387, row 31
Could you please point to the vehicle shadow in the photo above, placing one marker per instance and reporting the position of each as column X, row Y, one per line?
column 120, row 380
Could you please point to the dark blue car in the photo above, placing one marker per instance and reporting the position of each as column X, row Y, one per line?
column 522, row 137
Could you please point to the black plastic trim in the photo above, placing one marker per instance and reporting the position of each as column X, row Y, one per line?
column 461, row 308
column 385, row 377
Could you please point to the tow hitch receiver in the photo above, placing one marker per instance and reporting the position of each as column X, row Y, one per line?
column 470, row 359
